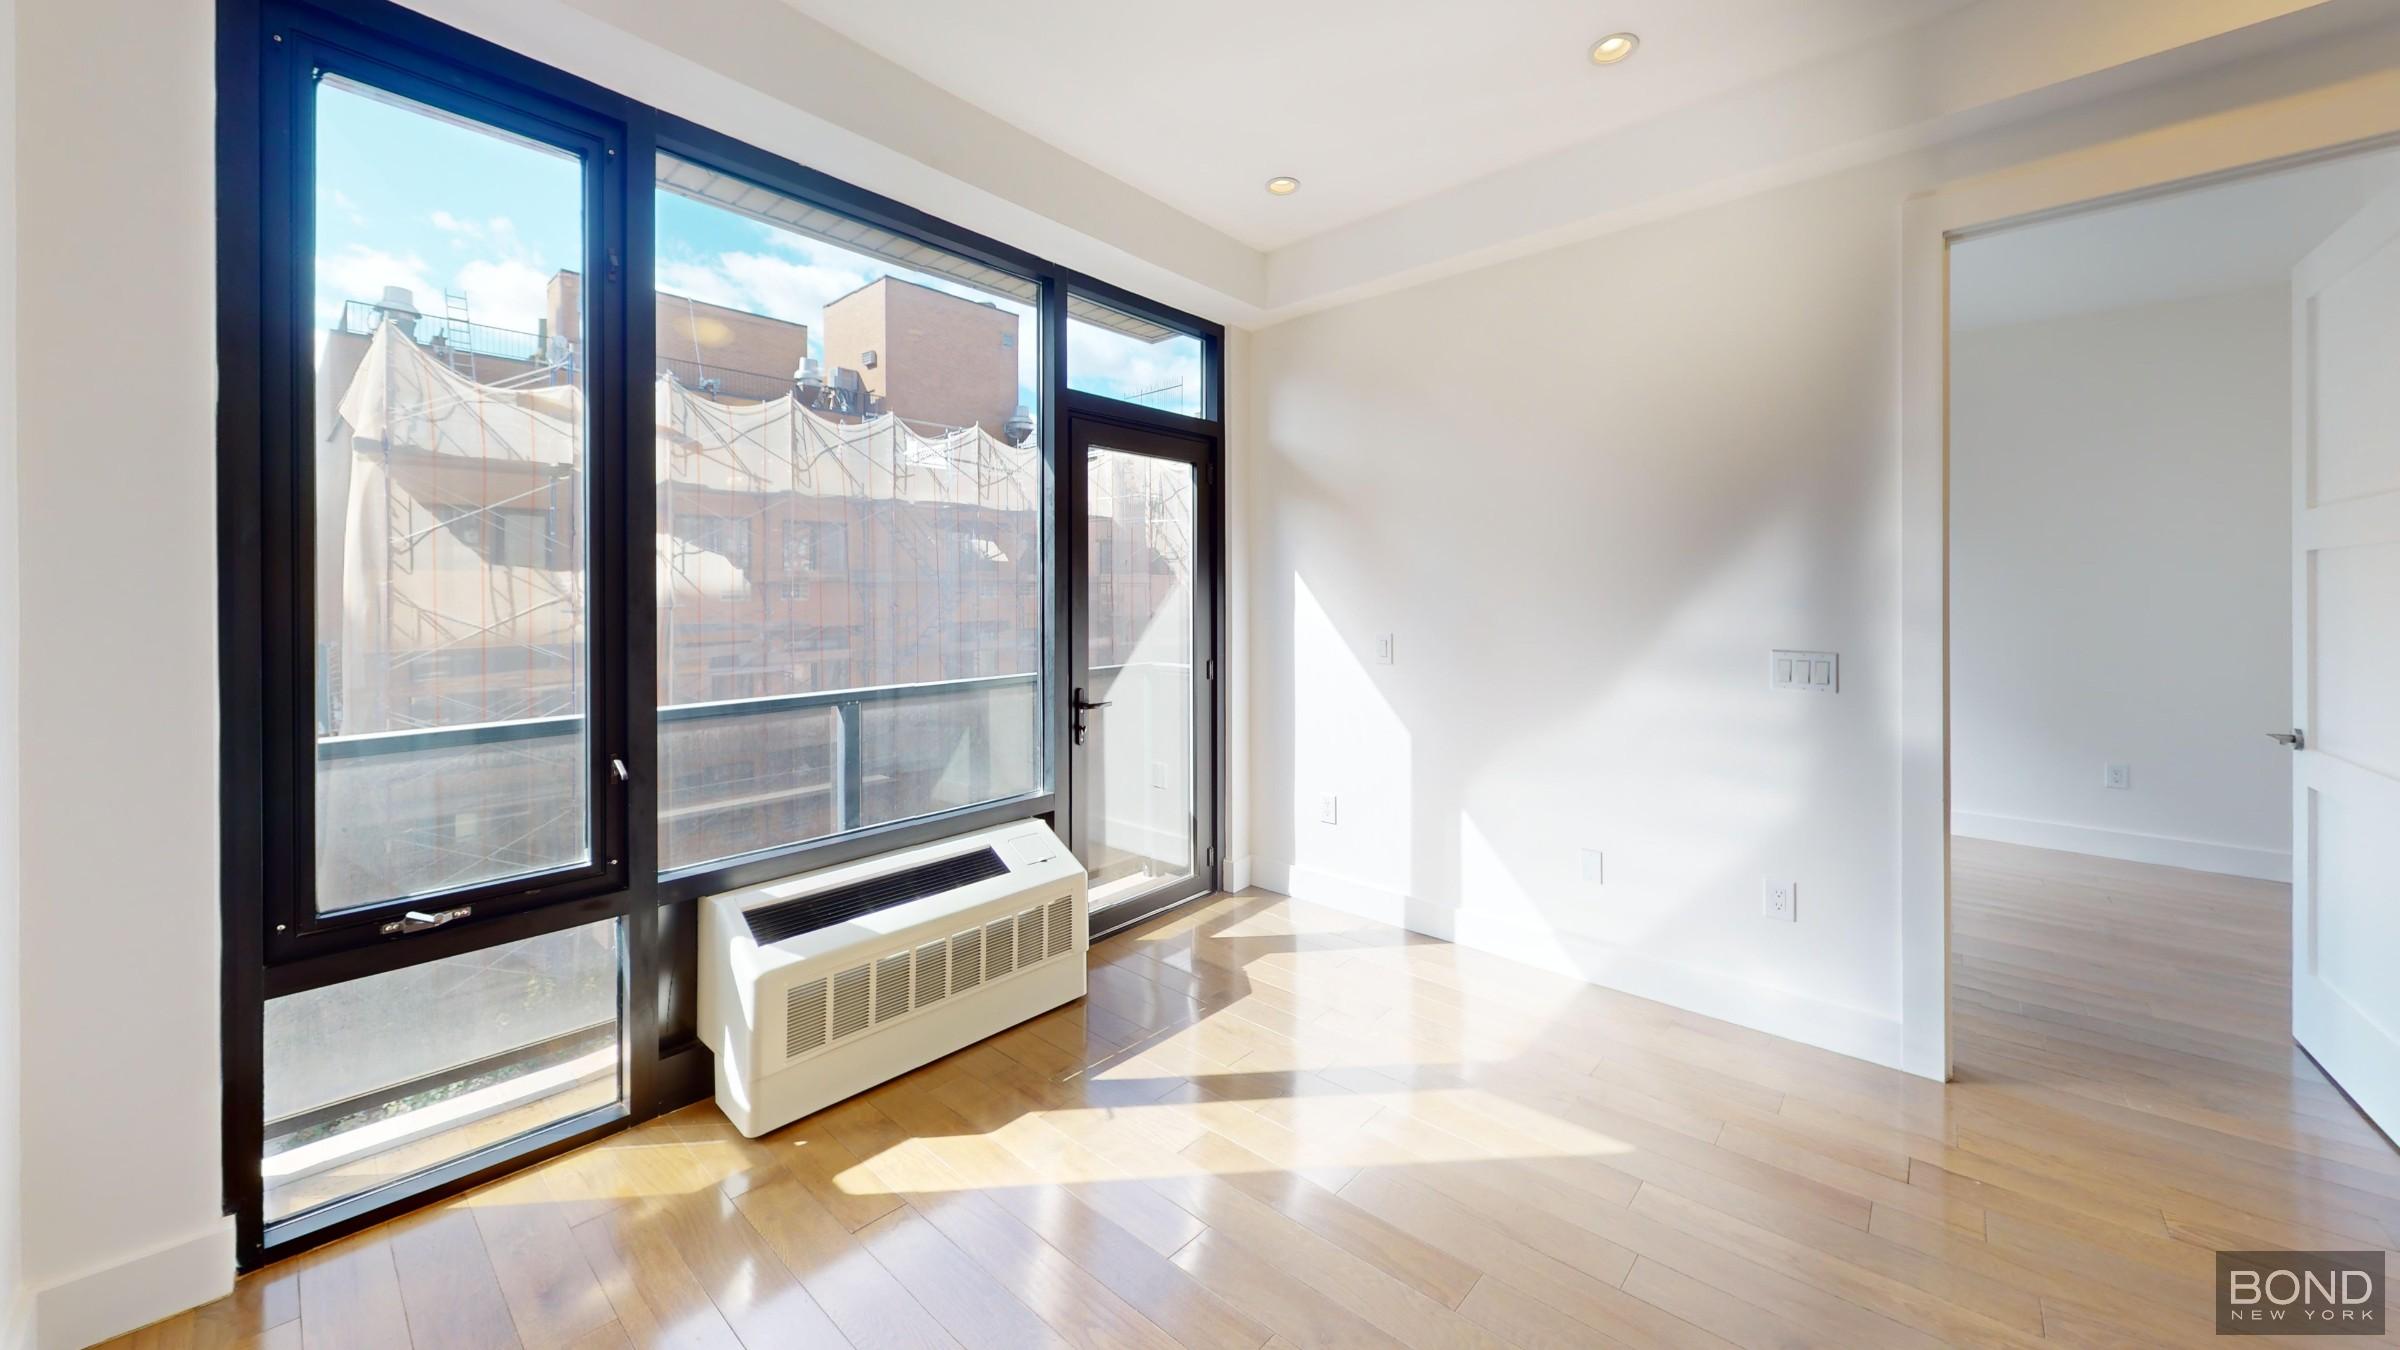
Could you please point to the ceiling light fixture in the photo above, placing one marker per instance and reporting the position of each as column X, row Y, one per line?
column 1283, row 185
column 1614, row 48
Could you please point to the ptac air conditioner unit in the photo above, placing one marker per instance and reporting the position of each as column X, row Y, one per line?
column 820, row 986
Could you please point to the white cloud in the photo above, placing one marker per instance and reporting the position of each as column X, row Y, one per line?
column 505, row 293
column 779, row 288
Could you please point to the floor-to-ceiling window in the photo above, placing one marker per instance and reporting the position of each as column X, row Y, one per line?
column 851, row 522
column 615, row 513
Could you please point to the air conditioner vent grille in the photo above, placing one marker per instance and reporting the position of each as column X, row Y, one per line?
column 1029, row 937
column 803, row 1018
column 966, row 960
column 808, row 913
column 891, row 987
column 999, row 948
column 933, row 971
column 1062, row 925
column 850, row 1002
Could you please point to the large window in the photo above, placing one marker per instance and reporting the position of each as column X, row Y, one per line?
column 452, row 676
column 851, row 529
column 615, row 514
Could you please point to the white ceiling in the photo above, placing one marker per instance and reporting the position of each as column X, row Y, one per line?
column 1372, row 104
column 2207, row 241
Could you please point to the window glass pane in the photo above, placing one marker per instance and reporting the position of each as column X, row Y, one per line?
column 1114, row 354
column 1138, row 792
column 381, row 1077
column 450, row 513
column 850, row 530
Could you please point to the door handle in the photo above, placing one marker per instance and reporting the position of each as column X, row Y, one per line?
column 1082, row 706
column 2295, row 739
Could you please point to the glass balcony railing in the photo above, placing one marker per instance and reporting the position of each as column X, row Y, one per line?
column 453, row 805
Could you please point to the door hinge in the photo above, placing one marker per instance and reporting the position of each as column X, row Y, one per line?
column 1212, row 669
column 1212, row 857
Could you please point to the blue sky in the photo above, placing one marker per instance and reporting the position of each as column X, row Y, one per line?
column 404, row 199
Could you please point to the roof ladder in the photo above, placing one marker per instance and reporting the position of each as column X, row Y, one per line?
column 458, row 336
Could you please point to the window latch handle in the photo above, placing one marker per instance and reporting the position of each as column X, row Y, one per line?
column 417, row 920
column 624, row 775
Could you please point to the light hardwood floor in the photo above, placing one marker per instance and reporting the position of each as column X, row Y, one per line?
column 1271, row 1124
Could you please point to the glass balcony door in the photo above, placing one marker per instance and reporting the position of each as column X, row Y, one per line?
column 1141, row 730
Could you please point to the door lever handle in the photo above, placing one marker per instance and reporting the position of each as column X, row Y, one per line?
column 2295, row 739
column 1083, row 705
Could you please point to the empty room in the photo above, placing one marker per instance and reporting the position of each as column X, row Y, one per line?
column 794, row 673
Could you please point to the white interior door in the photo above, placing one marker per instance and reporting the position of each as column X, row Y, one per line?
column 2346, row 658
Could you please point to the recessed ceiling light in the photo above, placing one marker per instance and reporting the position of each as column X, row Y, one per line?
column 1283, row 185
column 1614, row 48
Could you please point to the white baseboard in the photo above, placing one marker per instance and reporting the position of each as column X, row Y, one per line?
column 1872, row 1037
column 2197, row 855
column 86, row 1309
column 1237, row 874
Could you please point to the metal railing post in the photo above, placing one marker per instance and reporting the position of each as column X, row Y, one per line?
column 853, row 777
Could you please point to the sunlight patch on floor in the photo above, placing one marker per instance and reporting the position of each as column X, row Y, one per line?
column 1149, row 1143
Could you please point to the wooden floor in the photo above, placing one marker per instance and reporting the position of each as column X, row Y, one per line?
column 1272, row 1124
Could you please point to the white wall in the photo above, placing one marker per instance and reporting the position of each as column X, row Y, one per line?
column 123, row 1205
column 1588, row 492
column 15, row 1307
column 2120, row 517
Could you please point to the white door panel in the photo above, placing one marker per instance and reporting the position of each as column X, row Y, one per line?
column 2346, row 658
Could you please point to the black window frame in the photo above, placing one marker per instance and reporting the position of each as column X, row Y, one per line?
column 268, row 54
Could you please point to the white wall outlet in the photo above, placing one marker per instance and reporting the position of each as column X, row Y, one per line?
column 1158, row 774
column 1591, row 867
column 1329, row 810
column 2118, row 776
column 1780, row 900
column 1383, row 650
column 1808, row 672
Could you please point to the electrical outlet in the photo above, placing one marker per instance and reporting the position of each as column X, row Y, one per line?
column 1158, row 774
column 1330, row 811
column 1591, row 867
column 1780, row 900
column 1383, row 650
column 2118, row 776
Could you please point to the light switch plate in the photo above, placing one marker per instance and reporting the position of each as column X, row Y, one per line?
column 1383, row 650
column 1591, row 867
column 1808, row 672
column 1780, row 900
